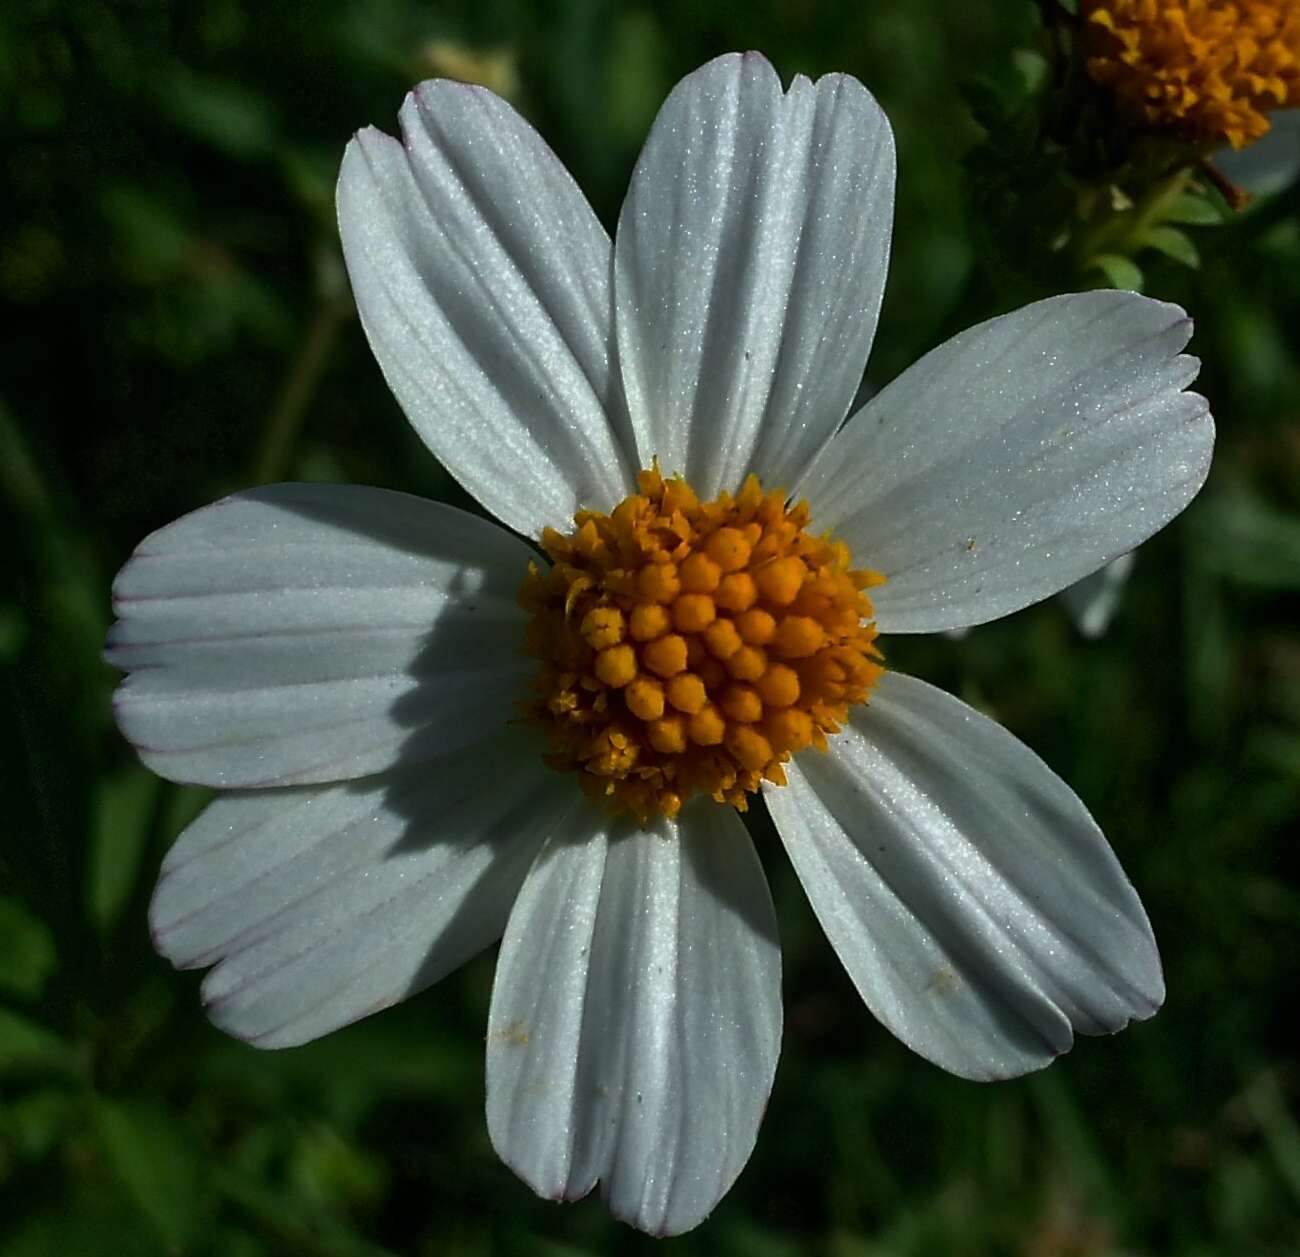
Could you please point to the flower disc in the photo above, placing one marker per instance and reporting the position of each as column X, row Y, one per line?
column 693, row 646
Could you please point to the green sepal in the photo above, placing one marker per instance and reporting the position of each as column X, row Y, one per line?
column 1192, row 210
column 1173, row 244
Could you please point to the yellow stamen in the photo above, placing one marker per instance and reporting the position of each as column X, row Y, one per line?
column 687, row 693
column 692, row 647
column 779, row 581
column 668, row 735
column 798, row 636
column 736, row 592
column 728, row 549
column 756, row 626
column 649, row 620
column 722, row 639
column 666, row 656
column 1212, row 69
column 700, row 574
column 615, row 665
column 645, row 698
column 708, row 727
column 693, row 613
column 778, row 686
column 602, row 626
column 747, row 664
column 742, row 703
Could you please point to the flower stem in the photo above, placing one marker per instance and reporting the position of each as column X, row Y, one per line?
column 298, row 388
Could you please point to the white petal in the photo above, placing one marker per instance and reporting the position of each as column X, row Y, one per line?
column 636, row 1017
column 750, row 262
column 970, row 896
column 307, row 633
column 482, row 279
column 1093, row 600
column 1017, row 458
column 320, row 905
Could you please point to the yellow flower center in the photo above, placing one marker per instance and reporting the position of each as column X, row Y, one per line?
column 1211, row 68
column 693, row 646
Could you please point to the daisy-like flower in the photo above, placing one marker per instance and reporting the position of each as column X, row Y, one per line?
column 1213, row 69
column 433, row 735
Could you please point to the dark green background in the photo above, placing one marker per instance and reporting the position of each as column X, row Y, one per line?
column 177, row 325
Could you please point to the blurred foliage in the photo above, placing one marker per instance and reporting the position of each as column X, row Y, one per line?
column 1070, row 188
column 178, row 325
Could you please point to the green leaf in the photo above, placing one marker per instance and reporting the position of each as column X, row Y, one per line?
column 13, row 632
column 1268, row 1107
column 1032, row 67
column 1120, row 272
column 155, row 1158
column 124, row 806
column 227, row 115
column 33, row 1123
column 27, row 1045
column 183, row 805
column 27, row 955
column 989, row 106
column 88, row 1224
column 1247, row 541
column 150, row 239
column 638, row 74
column 1073, row 1137
column 1193, row 211
column 328, row 1168
column 1172, row 243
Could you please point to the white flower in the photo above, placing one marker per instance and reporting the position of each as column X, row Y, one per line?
column 344, row 661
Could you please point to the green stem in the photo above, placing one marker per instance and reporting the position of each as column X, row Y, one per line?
column 298, row 389
column 20, row 476
column 1151, row 210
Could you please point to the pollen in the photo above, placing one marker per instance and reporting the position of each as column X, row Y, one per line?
column 1211, row 69
column 692, row 647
